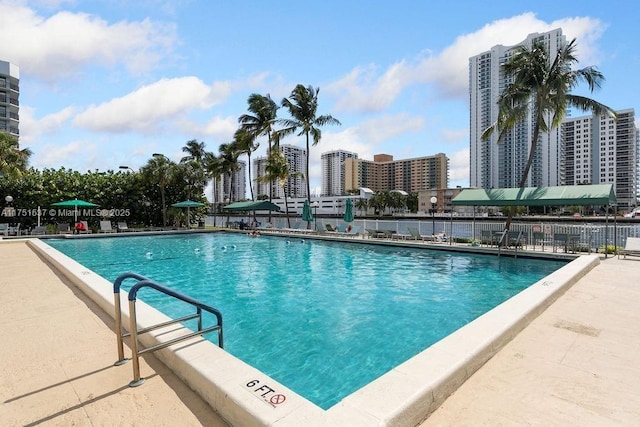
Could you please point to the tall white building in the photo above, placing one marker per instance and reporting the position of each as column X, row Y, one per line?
column 296, row 187
column 9, row 98
column 333, row 172
column 501, row 165
column 600, row 150
column 232, row 188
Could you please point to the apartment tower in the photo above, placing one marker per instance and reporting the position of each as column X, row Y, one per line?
column 296, row 185
column 386, row 174
column 599, row 150
column 9, row 98
column 333, row 172
column 494, row 165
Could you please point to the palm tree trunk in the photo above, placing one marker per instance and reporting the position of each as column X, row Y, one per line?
column 525, row 173
column 286, row 208
column 307, row 178
column 270, row 181
column 250, row 185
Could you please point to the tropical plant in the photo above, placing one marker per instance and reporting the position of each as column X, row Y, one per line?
column 540, row 86
column 245, row 143
column 362, row 205
column 13, row 160
column 260, row 123
column 302, row 105
column 228, row 159
column 278, row 170
column 213, row 170
column 159, row 170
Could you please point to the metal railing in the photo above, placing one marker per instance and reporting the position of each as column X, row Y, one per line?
column 144, row 282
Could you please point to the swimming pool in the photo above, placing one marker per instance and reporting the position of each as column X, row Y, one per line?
column 322, row 318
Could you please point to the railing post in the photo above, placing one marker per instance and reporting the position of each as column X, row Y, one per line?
column 135, row 358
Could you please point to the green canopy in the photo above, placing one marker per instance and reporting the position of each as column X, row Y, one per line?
column 188, row 204
column 74, row 204
column 263, row 205
column 570, row 195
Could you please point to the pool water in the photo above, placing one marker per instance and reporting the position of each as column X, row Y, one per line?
column 322, row 318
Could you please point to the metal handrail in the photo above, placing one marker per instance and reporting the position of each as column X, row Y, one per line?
column 134, row 332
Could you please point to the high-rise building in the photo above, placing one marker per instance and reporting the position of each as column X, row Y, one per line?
column 500, row 165
column 333, row 172
column 9, row 98
column 386, row 174
column 296, row 185
column 231, row 188
column 600, row 150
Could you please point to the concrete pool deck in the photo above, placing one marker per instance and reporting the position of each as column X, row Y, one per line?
column 575, row 364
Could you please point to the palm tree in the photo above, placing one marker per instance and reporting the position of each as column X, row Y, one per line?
column 193, row 166
column 541, row 87
column 195, row 151
column 278, row 170
column 245, row 142
column 13, row 160
column 160, row 169
column 303, row 108
column 213, row 169
column 261, row 123
column 228, row 158
column 362, row 205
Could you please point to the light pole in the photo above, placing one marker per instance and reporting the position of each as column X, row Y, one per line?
column 434, row 201
column 127, row 168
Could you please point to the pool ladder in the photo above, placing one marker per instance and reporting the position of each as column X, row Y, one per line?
column 134, row 332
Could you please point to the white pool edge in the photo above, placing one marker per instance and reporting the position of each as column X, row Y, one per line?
column 404, row 396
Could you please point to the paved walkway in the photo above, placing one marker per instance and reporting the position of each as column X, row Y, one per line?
column 57, row 350
column 576, row 364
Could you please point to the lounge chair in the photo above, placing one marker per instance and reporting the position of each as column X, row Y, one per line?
column 41, row 230
column 320, row 229
column 374, row 233
column 4, row 229
column 105, row 227
column 86, row 230
column 402, row 236
column 63, row 228
column 353, row 231
column 14, row 231
column 331, row 228
column 122, row 226
column 631, row 248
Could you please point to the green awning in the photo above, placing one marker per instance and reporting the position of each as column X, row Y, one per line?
column 569, row 195
column 263, row 205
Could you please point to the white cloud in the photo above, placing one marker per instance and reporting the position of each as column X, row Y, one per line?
column 52, row 47
column 459, row 168
column 454, row 135
column 363, row 90
column 31, row 128
column 55, row 155
column 145, row 109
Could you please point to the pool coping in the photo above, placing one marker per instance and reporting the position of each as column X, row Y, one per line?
column 404, row 396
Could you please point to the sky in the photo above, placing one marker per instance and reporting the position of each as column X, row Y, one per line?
column 105, row 84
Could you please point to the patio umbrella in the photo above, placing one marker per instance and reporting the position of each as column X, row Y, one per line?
column 74, row 204
column 348, row 211
column 188, row 204
column 307, row 215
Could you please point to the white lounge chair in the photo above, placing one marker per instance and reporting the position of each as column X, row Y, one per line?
column 105, row 227
column 122, row 226
column 631, row 248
